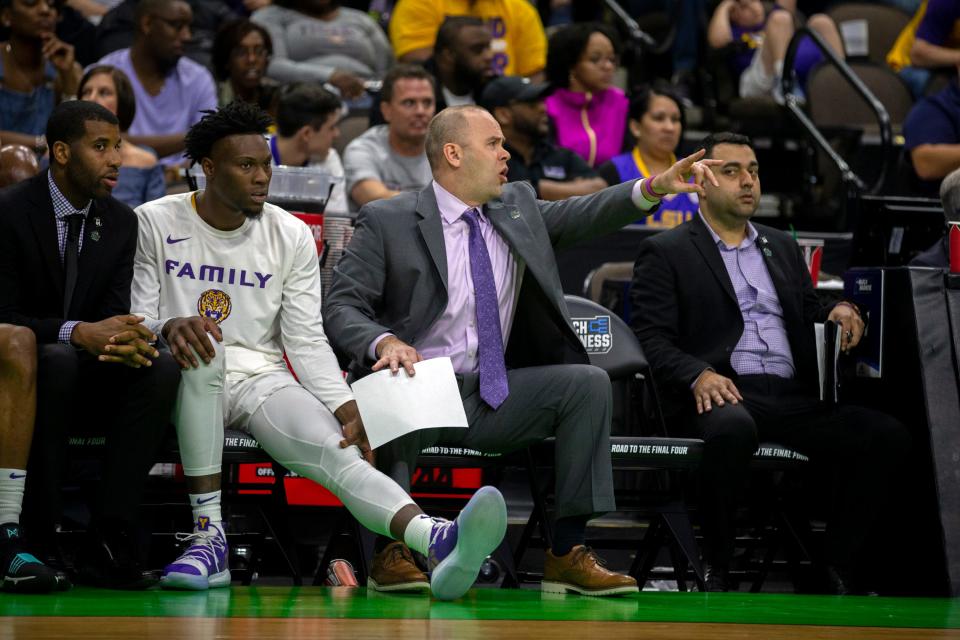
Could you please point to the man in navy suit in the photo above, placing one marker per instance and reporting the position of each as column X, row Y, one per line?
column 66, row 264
column 725, row 310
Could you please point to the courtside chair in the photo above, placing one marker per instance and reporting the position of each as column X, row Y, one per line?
column 270, row 502
column 612, row 346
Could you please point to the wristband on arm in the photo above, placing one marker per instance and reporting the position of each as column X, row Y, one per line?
column 647, row 188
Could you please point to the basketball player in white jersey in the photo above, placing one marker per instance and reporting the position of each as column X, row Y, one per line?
column 232, row 283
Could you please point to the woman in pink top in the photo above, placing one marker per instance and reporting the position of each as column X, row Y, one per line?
column 589, row 114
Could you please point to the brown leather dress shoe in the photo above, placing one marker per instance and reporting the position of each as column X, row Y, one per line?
column 393, row 569
column 581, row 571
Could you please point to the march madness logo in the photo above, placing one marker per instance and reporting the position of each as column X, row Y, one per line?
column 594, row 333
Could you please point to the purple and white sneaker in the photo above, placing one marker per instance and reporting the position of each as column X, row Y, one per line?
column 458, row 548
column 203, row 564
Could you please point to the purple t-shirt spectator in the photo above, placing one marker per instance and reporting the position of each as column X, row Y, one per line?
column 188, row 90
column 934, row 120
column 750, row 39
column 939, row 21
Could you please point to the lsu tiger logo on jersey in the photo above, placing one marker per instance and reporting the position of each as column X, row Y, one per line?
column 214, row 304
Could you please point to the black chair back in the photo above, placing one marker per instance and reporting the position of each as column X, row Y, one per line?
column 610, row 343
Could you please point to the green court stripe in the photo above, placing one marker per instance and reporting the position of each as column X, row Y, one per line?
column 496, row 604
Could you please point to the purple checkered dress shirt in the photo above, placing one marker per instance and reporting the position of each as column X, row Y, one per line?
column 764, row 347
column 61, row 209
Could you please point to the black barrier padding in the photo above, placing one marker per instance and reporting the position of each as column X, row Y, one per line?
column 917, row 551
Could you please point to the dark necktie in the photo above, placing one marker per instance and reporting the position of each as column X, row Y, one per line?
column 493, row 369
column 70, row 259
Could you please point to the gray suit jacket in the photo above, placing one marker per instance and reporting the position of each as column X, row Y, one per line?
column 393, row 274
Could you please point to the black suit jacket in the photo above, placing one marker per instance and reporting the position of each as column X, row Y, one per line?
column 31, row 273
column 686, row 312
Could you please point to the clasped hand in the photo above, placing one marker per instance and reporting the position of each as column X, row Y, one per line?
column 120, row 339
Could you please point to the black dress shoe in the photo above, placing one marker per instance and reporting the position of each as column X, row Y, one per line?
column 715, row 579
column 108, row 560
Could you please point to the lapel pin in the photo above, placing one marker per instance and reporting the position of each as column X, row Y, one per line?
column 514, row 213
column 767, row 252
column 96, row 222
column 763, row 239
column 95, row 235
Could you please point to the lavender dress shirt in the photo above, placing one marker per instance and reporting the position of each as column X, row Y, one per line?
column 454, row 334
column 764, row 348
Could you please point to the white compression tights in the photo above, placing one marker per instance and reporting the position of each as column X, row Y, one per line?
column 297, row 430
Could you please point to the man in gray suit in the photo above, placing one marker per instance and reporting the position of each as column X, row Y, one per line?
column 465, row 268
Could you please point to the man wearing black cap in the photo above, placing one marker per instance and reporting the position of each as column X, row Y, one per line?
column 555, row 172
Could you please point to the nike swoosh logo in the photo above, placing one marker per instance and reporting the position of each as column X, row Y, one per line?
column 205, row 500
column 17, row 476
column 176, row 240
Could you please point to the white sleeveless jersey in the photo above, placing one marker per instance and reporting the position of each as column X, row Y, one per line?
column 260, row 283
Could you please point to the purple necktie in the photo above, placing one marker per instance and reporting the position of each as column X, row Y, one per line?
column 493, row 369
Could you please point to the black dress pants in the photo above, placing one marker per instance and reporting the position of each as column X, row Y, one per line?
column 77, row 394
column 861, row 448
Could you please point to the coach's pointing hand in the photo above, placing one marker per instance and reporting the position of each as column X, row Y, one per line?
column 676, row 179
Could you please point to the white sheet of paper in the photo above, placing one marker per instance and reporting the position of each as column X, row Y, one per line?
column 394, row 405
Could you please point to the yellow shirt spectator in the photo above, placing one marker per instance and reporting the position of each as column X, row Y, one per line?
column 519, row 43
column 949, row 36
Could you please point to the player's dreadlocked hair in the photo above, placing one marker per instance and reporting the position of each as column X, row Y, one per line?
column 237, row 118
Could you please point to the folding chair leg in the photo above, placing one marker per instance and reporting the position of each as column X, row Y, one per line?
column 682, row 530
column 647, row 552
column 679, row 565
column 286, row 542
column 538, row 516
column 505, row 559
column 357, row 539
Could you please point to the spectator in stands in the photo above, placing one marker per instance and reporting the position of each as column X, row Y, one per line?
column 232, row 354
column 141, row 175
column 461, row 61
column 66, row 264
column 117, row 30
column 938, row 255
column 589, row 114
column 72, row 27
column 171, row 90
column 932, row 137
column 465, row 268
column 390, row 158
column 761, row 41
column 930, row 41
column 554, row 173
column 37, row 70
column 307, row 125
column 320, row 40
column 689, row 18
column 17, row 163
column 241, row 53
column 656, row 123
column 93, row 10
column 461, row 64
column 725, row 310
column 519, row 42
column 20, row 571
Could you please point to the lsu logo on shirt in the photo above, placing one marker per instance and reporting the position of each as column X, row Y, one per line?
column 594, row 333
column 214, row 304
